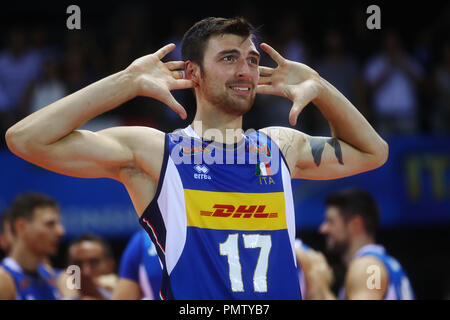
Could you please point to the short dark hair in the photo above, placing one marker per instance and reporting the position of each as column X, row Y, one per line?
column 356, row 202
column 107, row 250
column 25, row 204
column 196, row 38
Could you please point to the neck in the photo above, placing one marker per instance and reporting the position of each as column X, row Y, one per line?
column 213, row 124
column 355, row 245
column 27, row 259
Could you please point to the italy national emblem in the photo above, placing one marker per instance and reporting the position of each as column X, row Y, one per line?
column 263, row 169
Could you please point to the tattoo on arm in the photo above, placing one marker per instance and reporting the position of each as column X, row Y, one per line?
column 286, row 141
column 317, row 146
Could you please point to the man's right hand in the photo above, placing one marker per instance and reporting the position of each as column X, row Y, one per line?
column 156, row 79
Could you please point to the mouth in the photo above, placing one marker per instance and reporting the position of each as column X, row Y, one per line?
column 242, row 89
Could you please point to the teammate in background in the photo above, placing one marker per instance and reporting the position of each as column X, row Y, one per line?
column 94, row 256
column 36, row 229
column 350, row 230
column 140, row 270
column 198, row 215
column 6, row 234
column 315, row 275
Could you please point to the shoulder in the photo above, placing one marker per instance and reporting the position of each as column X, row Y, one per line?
column 135, row 134
column 291, row 142
column 7, row 286
column 360, row 265
column 366, row 278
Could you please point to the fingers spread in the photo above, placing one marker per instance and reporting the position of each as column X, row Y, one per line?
column 267, row 89
column 182, row 84
column 265, row 80
column 301, row 95
column 161, row 53
column 265, row 71
column 175, row 65
column 177, row 74
column 272, row 53
column 174, row 105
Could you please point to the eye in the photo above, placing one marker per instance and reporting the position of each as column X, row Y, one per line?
column 253, row 60
column 229, row 58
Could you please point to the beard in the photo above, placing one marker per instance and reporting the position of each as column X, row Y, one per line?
column 227, row 101
column 336, row 247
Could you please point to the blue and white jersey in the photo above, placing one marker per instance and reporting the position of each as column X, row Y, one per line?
column 399, row 287
column 39, row 286
column 223, row 220
column 140, row 263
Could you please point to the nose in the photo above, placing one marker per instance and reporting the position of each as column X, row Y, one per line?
column 243, row 70
column 86, row 269
column 323, row 229
column 61, row 230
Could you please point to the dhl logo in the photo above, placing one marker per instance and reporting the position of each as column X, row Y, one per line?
column 228, row 210
column 235, row 210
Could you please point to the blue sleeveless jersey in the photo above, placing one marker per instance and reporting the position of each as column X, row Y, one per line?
column 223, row 220
column 140, row 263
column 399, row 287
column 32, row 287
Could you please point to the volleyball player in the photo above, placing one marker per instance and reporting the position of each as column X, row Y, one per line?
column 222, row 229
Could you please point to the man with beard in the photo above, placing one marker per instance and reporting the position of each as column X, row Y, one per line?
column 350, row 225
column 36, row 228
column 223, row 229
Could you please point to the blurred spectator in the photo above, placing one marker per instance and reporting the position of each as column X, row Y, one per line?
column 94, row 256
column 441, row 84
column 351, row 220
column 394, row 78
column 47, row 88
column 289, row 41
column 140, row 270
column 342, row 71
column 76, row 74
column 362, row 38
column 25, row 273
column 19, row 67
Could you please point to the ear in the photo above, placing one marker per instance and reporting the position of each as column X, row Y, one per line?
column 19, row 226
column 111, row 264
column 192, row 72
column 356, row 224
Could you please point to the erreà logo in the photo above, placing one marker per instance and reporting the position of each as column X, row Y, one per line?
column 202, row 172
column 243, row 211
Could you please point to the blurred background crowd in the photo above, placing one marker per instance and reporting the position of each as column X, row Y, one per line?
column 397, row 76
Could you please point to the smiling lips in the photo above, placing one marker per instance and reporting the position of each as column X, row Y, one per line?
column 241, row 88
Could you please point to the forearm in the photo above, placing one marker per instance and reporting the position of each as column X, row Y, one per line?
column 60, row 118
column 346, row 122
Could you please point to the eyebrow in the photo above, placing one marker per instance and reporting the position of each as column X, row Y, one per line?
column 235, row 51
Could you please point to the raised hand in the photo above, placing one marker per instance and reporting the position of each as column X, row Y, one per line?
column 156, row 79
column 293, row 80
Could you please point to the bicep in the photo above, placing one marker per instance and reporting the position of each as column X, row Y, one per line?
column 88, row 154
column 323, row 158
column 366, row 279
